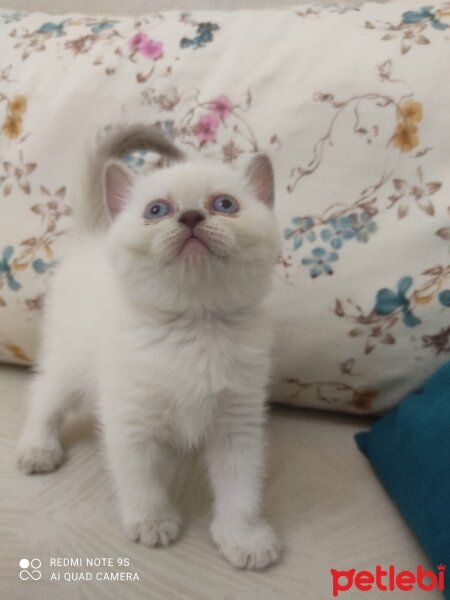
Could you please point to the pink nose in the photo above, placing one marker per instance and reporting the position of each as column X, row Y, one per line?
column 191, row 218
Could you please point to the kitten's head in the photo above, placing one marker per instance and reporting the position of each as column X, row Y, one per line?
column 193, row 234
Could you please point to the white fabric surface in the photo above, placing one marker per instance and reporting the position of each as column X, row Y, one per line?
column 360, row 154
column 321, row 496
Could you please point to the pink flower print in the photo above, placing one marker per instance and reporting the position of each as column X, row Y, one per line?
column 151, row 49
column 207, row 127
column 222, row 107
column 146, row 46
column 137, row 40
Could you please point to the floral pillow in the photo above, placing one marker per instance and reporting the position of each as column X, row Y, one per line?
column 359, row 137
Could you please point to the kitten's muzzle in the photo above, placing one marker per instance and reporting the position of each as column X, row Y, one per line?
column 191, row 218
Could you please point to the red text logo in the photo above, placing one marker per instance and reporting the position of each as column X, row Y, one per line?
column 388, row 580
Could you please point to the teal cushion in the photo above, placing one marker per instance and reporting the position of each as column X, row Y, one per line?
column 409, row 448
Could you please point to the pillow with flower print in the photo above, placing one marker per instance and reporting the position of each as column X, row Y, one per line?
column 358, row 136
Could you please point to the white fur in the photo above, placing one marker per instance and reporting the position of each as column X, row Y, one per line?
column 173, row 346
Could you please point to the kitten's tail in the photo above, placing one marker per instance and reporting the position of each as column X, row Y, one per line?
column 90, row 211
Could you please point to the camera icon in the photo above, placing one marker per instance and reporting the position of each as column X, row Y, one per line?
column 30, row 569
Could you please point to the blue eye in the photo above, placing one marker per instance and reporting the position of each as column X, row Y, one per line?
column 225, row 204
column 157, row 210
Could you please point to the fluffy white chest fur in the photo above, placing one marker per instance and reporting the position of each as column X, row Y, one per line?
column 156, row 320
column 173, row 374
column 185, row 370
column 192, row 366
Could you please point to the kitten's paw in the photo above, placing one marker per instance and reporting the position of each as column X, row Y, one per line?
column 160, row 530
column 253, row 547
column 40, row 459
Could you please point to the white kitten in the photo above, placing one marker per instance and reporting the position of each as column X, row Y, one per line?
column 157, row 313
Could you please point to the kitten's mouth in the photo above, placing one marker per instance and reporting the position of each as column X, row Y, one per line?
column 194, row 245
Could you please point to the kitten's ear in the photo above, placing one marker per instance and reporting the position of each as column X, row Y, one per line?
column 118, row 184
column 259, row 174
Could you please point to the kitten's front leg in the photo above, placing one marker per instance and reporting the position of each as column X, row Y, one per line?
column 235, row 462
column 39, row 447
column 143, row 469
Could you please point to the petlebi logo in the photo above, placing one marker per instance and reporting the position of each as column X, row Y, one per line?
column 388, row 580
column 30, row 569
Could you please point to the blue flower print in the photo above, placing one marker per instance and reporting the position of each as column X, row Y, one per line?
column 343, row 228
column 101, row 26
column 13, row 17
column 365, row 227
column 343, row 9
column 303, row 231
column 319, row 262
column 6, row 269
column 56, row 28
column 388, row 301
column 135, row 160
column 415, row 16
column 444, row 298
column 411, row 17
column 204, row 36
column 41, row 266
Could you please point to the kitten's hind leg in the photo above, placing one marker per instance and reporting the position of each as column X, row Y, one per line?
column 39, row 448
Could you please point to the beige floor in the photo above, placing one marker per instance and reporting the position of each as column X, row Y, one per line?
column 321, row 495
